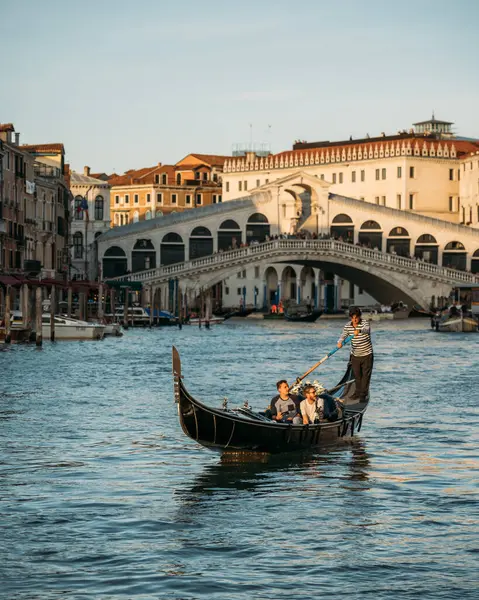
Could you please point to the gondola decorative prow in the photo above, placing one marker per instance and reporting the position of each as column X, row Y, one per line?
column 176, row 373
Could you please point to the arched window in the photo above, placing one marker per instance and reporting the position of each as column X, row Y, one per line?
column 78, row 208
column 172, row 249
column 454, row 246
column 114, row 262
column 148, row 215
column 172, row 238
column 399, row 232
column 229, row 235
column 229, row 224
column 78, row 245
column 136, row 216
column 257, row 228
column 115, row 252
column 178, row 179
column 201, row 242
column 258, row 218
column 342, row 218
column 426, row 238
column 143, row 255
column 476, row 254
column 370, row 225
column 99, row 208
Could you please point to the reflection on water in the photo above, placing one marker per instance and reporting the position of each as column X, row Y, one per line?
column 104, row 497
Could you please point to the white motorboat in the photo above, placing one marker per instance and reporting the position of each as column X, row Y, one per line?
column 137, row 316
column 67, row 328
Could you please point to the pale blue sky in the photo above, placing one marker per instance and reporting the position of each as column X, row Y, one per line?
column 126, row 84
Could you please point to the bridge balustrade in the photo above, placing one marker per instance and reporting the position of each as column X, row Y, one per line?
column 274, row 247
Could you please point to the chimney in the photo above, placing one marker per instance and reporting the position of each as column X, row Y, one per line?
column 17, row 139
column 86, row 171
column 159, row 164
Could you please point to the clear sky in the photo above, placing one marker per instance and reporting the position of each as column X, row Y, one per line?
column 126, row 84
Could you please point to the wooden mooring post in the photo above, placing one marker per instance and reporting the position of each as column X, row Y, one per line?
column 8, row 324
column 52, row 313
column 38, row 316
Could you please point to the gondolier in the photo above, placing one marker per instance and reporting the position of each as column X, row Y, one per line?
column 361, row 352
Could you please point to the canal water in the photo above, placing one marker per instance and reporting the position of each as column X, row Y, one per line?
column 102, row 496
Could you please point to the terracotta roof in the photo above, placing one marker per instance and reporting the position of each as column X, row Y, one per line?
column 82, row 179
column 142, row 176
column 7, row 127
column 212, row 159
column 44, row 148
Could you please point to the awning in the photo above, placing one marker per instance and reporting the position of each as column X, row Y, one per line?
column 10, row 280
column 135, row 286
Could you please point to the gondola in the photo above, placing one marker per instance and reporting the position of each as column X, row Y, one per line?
column 242, row 430
column 309, row 317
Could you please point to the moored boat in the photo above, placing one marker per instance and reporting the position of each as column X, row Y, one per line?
column 457, row 323
column 306, row 317
column 243, row 430
column 66, row 328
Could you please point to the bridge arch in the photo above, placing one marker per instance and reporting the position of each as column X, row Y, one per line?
column 201, row 242
column 427, row 248
column 143, row 256
column 115, row 262
column 229, row 235
column 172, row 249
column 257, row 228
column 475, row 262
column 454, row 256
column 342, row 228
column 399, row 242
column 370, row 235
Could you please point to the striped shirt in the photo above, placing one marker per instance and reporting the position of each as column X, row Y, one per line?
column 360, row 345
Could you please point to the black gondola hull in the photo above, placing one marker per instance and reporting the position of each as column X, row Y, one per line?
column 245, row 431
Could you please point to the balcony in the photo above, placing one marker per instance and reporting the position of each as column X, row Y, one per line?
column 42, row 170
column 201, row 183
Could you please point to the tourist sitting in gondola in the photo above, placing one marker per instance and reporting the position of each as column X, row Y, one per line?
column 284, row 407
column 311, row 407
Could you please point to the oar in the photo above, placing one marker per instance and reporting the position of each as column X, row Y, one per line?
column 299, row 379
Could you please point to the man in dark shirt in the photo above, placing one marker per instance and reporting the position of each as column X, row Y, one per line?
column 284, row 406
column 361, row 352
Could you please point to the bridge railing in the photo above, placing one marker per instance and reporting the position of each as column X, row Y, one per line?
column 269, row 249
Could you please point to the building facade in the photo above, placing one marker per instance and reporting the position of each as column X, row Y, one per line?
column 417, row 171
column 90, row 218
column 151, row 192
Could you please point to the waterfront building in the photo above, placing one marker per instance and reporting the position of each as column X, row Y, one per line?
column 17, row 199
column 90, row 218
column 48, row 210
column 151, row 192
column 418, row 171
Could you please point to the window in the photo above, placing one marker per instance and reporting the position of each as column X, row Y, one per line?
column 240, row 186
column 245, row 186
column 377, row 174
column 340, row 178
column 238, row 291
column 197, row 175
column 214, row 198
column 383, row 174
column 127, row 198
column 78, row 245
column 148, row 198
column 363, row 175
column 199, row 199
column 173, row 198
column 266, row 181
column 79, row 208
column 117, row 199
column 220, row 198
column 451, row 174
column 227, row 291
column 238, row 275
column 411, row 172
column 205, row 176
column 157, row 179
column 178, row 179
column 353, row 176
column 334, row 177
column 322, row 177
column 159, row 198
column 459, row 174
column 411, row 201
column 136, row 198
column 383, row 200
column 256, row 272
column 99, row 204
column 215, row 177
column 399, row 172
column 188, row 199
column 164, row 179
column 398, row 201
column 451, row 204
column 377, row 200
column 227, row 186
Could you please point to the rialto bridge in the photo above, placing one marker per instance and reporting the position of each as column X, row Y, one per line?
column 229, row 248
